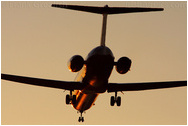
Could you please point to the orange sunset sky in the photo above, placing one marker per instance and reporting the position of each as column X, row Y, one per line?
column 38, row 40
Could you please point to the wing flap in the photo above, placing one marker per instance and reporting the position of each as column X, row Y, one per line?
column 113, row 87
column 44, row 82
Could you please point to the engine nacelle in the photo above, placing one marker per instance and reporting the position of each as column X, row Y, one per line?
column 123, row 65
column 76, row 63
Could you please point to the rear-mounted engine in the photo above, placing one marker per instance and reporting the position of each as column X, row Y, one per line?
column 76, row 63
column 123, row 65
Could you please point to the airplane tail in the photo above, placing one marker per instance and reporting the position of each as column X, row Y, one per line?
column 106, row 11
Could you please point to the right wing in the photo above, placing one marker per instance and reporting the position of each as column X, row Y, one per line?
column 44, row 82
column 114, row 87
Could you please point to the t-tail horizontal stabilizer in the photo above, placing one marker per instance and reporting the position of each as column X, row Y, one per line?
column 106, row 9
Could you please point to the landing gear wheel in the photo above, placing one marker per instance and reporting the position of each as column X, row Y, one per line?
column 74, row 99
column 81, row 118
column 118, row 101
column 112, row 101
column 115, row 99
column 67, row 99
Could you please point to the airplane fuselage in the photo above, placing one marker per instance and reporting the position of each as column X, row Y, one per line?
column 94, row 74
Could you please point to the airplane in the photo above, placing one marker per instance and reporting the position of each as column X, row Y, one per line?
column 95, row 70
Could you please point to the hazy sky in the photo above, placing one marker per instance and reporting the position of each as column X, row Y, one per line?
column 38, row 40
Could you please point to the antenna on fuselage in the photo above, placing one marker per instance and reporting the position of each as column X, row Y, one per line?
column 106, row 11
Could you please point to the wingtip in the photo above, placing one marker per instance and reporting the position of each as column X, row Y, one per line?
column 161, row 9
column 57, row 5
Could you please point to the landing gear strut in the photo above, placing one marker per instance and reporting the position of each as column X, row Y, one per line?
column 115, row 99
column 70, row 98
column 81, row 118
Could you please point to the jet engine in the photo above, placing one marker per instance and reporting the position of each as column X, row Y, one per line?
column 76, row 63
column 123, row 65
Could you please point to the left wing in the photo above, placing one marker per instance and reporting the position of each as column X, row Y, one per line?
column 44, row 82
column 114, row 87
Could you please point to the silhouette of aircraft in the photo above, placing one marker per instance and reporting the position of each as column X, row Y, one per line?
column 96, row 69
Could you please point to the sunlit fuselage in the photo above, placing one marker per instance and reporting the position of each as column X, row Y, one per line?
column 94, row 74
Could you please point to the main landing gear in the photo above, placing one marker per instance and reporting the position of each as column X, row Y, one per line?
column 81, row 118
column 115, row 99
column 70, row 98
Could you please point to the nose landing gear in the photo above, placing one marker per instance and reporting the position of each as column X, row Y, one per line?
column 115, row 99
column 81, row 118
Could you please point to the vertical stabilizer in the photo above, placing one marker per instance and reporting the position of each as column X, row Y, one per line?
column 103, row 35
